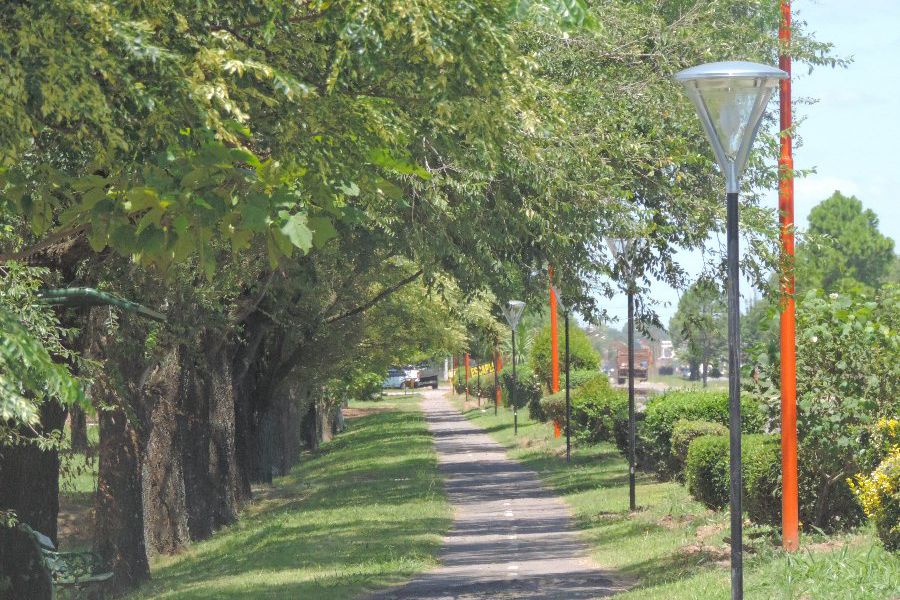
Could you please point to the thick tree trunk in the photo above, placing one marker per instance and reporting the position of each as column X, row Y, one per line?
column 212, row 483
column 78, row 429
column 120, row 510
column 29, row 486
column 22, row 574
column 162, row 469
column 311, row 425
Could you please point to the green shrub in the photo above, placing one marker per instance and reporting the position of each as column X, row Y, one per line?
column 664, row 411
column 578, row 378
column 482, row 386
column 707, row 472
column 848, row 378
column 582, row 355
column 762, row 478
column 684, row 432
column 879, row 496
column 528, row 389
column 596, row 410
column 553, row 407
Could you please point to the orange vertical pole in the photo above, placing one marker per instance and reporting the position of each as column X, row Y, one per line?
column 790, row 516
column 554, row 339
column 498, row 366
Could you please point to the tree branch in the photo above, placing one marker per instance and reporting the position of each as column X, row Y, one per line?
column 376, row 299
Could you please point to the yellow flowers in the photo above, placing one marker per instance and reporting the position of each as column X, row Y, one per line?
column 879, row 492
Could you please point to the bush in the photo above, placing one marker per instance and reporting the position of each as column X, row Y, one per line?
column 598, row 409
column 554, row 407
column 879, row 496
column 762, row 479
column 664, row 411
column 582, row 355
column 578, row 378
column 848, row 377
column 708, row 479
column 684, row 433
column 528, row 389
column 478, row 386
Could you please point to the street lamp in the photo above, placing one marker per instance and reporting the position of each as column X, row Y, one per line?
column 622, row 249
column 513, row 312
column 565, row 307
column 730, row 98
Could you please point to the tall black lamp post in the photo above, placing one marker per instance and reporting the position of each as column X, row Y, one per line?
column 622, row 251
column 730, row 98
column 513, row 312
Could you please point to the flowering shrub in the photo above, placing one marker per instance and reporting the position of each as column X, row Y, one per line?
column 879, row 495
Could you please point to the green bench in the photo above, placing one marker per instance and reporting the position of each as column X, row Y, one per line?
column 74, row 574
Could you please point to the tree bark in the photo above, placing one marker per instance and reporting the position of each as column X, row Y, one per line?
column 30, row 488
column 78, row 430
column 162, row 469
column 208, row 435
column 120, row 509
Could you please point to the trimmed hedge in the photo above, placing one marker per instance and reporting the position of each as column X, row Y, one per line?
column 554, row 407
column 598, row 410
column 686, row 431
column 707, row 473
column 662, row 412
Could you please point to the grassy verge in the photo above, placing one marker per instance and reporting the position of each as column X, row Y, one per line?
column 366, row 511
column 673, row 548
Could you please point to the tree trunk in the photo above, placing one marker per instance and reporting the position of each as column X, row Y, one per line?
column 120, row 509
column 30, row 488
column 211, row 476
column 705, row 365
column 78, row 430
column 162, row 469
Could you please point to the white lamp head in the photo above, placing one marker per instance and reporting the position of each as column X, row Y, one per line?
column 730, row 98
column 620, row 247
column 559, row 299
column 513, row 312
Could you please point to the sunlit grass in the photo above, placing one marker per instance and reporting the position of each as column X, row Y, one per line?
column 366, row 511
column 672, row 548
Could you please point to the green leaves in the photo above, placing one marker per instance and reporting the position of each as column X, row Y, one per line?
column 298, row 232
column 29, row 332
column 566, row 14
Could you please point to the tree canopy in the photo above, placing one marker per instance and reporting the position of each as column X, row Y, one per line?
column 844, row 247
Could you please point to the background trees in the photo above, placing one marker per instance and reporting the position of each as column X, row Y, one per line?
column 699, row 328
column 844, row 248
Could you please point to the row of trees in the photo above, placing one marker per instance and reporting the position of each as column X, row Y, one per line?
column 308, row 192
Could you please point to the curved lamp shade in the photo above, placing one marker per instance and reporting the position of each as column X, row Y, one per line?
column 513, row 312
column 730, row 98
column 620, row 247
column 559, row 299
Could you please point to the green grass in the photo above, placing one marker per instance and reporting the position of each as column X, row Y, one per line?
column 672, row 548
column 677, row 381
column 366, row 511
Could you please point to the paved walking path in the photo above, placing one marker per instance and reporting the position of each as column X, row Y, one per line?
column 511, row 538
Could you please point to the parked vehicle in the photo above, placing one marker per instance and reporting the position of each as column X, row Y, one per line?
column 643, row 359
column 426, row 376
column 395, row 378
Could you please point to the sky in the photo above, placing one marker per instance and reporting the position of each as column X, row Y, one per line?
column 851, row 135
